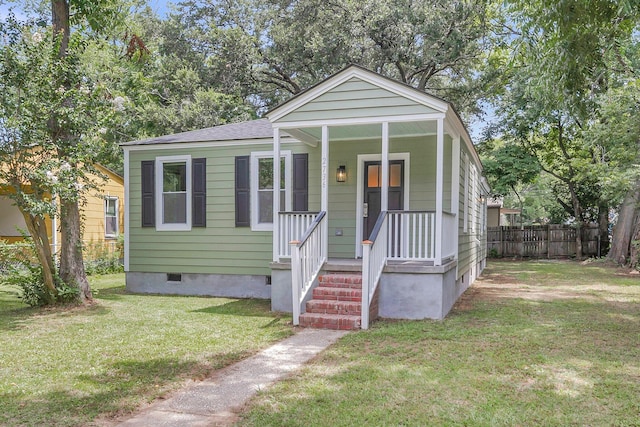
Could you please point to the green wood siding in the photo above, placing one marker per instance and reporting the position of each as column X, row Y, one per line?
column 343, row 196
column 220, row 248
column 472, row 243
column 355, row 98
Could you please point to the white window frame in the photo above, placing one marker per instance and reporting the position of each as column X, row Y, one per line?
column 107, row 199
column 253, row 170
column 160, row 161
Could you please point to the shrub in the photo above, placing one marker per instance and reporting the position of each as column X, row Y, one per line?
column 103, row 257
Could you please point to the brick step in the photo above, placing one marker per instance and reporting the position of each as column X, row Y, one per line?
column 334, row 307
column 330, row 321
column 335, row 280
column 329, row 293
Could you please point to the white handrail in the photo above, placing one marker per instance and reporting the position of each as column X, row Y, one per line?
column 374, row 258
column 308, row 255
column 292, row 225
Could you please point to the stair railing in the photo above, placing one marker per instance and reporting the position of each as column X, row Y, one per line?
column 374, row 259
column 308, row 255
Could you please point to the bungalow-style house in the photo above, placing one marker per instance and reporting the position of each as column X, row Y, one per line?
column 103, row 214
column 379, row 211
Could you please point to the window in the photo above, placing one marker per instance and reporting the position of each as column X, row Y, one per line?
column 173, row 186
column 111, row 217
column 262, row 188
column 173, row 193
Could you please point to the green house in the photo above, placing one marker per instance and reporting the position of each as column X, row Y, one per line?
column 380, row 207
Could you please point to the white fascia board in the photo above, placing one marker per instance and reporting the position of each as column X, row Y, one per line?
column 359, row 121
column 458, row 128
column 367, row 76
column 206, row 144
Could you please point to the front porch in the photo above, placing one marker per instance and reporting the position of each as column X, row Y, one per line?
column 384, row 196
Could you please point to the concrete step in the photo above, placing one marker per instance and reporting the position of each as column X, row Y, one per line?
column 330, row 321
column 334, row 307
column 329, row 293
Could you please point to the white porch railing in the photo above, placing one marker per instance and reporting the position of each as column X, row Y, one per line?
column 449, row 242
column 412, row 235
column 291, row 226
column 374, row 258
column 308, row 255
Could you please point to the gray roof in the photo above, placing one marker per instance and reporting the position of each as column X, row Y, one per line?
column 253, row 129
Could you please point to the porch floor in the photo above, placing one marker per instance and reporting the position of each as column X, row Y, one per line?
column 393, row 266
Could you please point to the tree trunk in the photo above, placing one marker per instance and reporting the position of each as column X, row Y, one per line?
column 577, row 213
column 623, row 231
column 60, row 20
column 634, row 250
column 603, row 228
column 71, row 261
column 35, row 226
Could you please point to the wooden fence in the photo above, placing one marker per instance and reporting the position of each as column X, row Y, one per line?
column 541, row 241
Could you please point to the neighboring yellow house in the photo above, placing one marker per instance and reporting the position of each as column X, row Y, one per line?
column 103, row 214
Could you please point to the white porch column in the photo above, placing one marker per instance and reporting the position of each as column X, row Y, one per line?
column 276, row 193
column 324, row 196
column 384, row 188
column 455, row 189
column 439, row 189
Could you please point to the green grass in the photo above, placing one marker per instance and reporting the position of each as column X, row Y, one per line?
column 78, row 365
column 532, row 343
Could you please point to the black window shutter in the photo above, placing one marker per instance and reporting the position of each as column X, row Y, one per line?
column 199, row 192
column 243, row 195
column 148, row 193
column 300, row 182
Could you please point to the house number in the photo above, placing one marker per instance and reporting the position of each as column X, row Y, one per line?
column 324, row 172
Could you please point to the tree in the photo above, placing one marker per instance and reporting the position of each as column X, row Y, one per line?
column 275, row 49
column 50, row 119
column 563, row 55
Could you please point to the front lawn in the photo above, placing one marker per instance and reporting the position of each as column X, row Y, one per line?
column 76, row 365
column 531, row 343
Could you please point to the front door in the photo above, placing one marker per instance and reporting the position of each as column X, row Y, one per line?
column 373, row 188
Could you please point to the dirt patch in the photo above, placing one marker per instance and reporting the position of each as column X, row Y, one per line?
column 496, row 287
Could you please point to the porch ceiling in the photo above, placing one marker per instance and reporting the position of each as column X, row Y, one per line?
column 365, row 131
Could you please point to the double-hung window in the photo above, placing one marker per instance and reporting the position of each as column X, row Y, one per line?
column 173, row 186
column 110, row 217
column 262, row 184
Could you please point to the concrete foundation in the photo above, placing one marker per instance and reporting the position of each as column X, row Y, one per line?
column 419, row 295
column 406, row 290
column 216, row 285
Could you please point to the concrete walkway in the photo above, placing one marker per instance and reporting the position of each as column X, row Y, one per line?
column 211, row 402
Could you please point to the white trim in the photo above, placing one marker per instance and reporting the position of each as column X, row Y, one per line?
column 362, row 158
column 207, row 144
column 384, row 188
column 362, row 74
column 276, row 193
column 439, row 190
column 160, row 161
column 127, row 223
column 117, row 211
column 455, row 189
column 359, row 121
column 253, row 179
column 465, row 210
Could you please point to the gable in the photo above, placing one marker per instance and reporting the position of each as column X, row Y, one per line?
column 356, row 98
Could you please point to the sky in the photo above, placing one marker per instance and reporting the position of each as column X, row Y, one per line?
column 161, row 7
